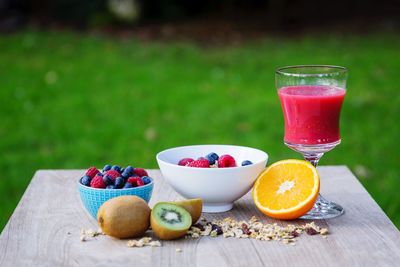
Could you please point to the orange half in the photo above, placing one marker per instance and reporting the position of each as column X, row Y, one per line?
column 287, row 189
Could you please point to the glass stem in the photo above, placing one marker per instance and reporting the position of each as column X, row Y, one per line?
column 313, row 158
column 323, row 208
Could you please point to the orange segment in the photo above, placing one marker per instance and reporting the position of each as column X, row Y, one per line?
column 287, row 189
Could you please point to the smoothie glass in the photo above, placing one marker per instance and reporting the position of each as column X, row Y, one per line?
column 311, row 97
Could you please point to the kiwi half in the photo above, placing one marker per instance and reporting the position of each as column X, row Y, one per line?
column 169, row 221
column 193, row 206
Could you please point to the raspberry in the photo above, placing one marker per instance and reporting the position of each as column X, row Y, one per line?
column 91, row 172
column 135, row 181
column 140, row 172
column 226, row 161
column 185, row 161
column 199, row 163
column 139, row 182
column 97, row 182
column 112, row 173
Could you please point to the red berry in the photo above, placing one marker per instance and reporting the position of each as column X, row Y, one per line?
column 140, row 172
column 112, row 173
column 185, row 161
column 226, row 161
column 199, row 163
column 91, row 172
column 135, row 181
column 97, row 182
column 139, row 182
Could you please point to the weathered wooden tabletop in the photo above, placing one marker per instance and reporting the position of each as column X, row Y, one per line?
column 45, row 231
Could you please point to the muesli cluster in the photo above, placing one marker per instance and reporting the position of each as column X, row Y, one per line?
column 253, row 228
column 89, row 233
column 143, row 242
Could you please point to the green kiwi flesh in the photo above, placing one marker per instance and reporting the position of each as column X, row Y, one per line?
column 169, row 221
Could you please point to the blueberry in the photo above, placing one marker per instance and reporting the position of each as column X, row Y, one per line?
column 116, row 168
column 106, row 168
column 125, row 174
column 146, row 179
column 122, row 170
column 128, row 185
column 217, row 229
column 85, row 180
column 108, row 180
column 129, row 170
column 110, row 186
column 212, row 157
column 246, row 162
column 119, row 182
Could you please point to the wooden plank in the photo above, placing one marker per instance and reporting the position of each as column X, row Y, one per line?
column 45, row 229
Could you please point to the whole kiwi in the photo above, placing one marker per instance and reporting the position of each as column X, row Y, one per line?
column 124, row 217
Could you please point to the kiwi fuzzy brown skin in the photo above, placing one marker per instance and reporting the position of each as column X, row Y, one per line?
column 161, row 231
column 124, row 217
column 193, row 206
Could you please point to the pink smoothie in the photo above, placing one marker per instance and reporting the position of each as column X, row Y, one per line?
column 311, row 113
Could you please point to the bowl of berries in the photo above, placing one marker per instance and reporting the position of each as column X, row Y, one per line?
column 218, row 174
column 98, row 186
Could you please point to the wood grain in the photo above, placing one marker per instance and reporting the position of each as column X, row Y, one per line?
column 45, row 229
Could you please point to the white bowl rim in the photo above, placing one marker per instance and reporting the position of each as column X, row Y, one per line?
column 265, row 157
column 119, row 189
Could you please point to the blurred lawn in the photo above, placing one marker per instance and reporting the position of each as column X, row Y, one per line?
column 70, row 101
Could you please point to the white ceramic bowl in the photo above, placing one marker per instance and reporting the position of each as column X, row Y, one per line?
column 218, row 187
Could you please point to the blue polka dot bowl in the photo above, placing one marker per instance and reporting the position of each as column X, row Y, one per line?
column 93, row 198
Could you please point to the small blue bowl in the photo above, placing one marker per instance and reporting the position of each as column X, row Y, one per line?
column 93, row 198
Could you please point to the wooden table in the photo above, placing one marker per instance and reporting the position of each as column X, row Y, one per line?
column 45, row 231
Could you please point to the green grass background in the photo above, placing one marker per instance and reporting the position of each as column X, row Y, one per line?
column 70, row 101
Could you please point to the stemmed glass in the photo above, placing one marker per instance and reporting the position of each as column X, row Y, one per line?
column 311, row 97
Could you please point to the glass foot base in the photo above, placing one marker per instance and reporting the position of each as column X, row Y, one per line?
column 324, row 209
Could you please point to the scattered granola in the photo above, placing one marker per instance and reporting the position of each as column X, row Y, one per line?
column 199, row 226
column 214, row 233
column 143, row 242
column 323, row 231
column 89, row 233
column 229, row 227
column 254, row 229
